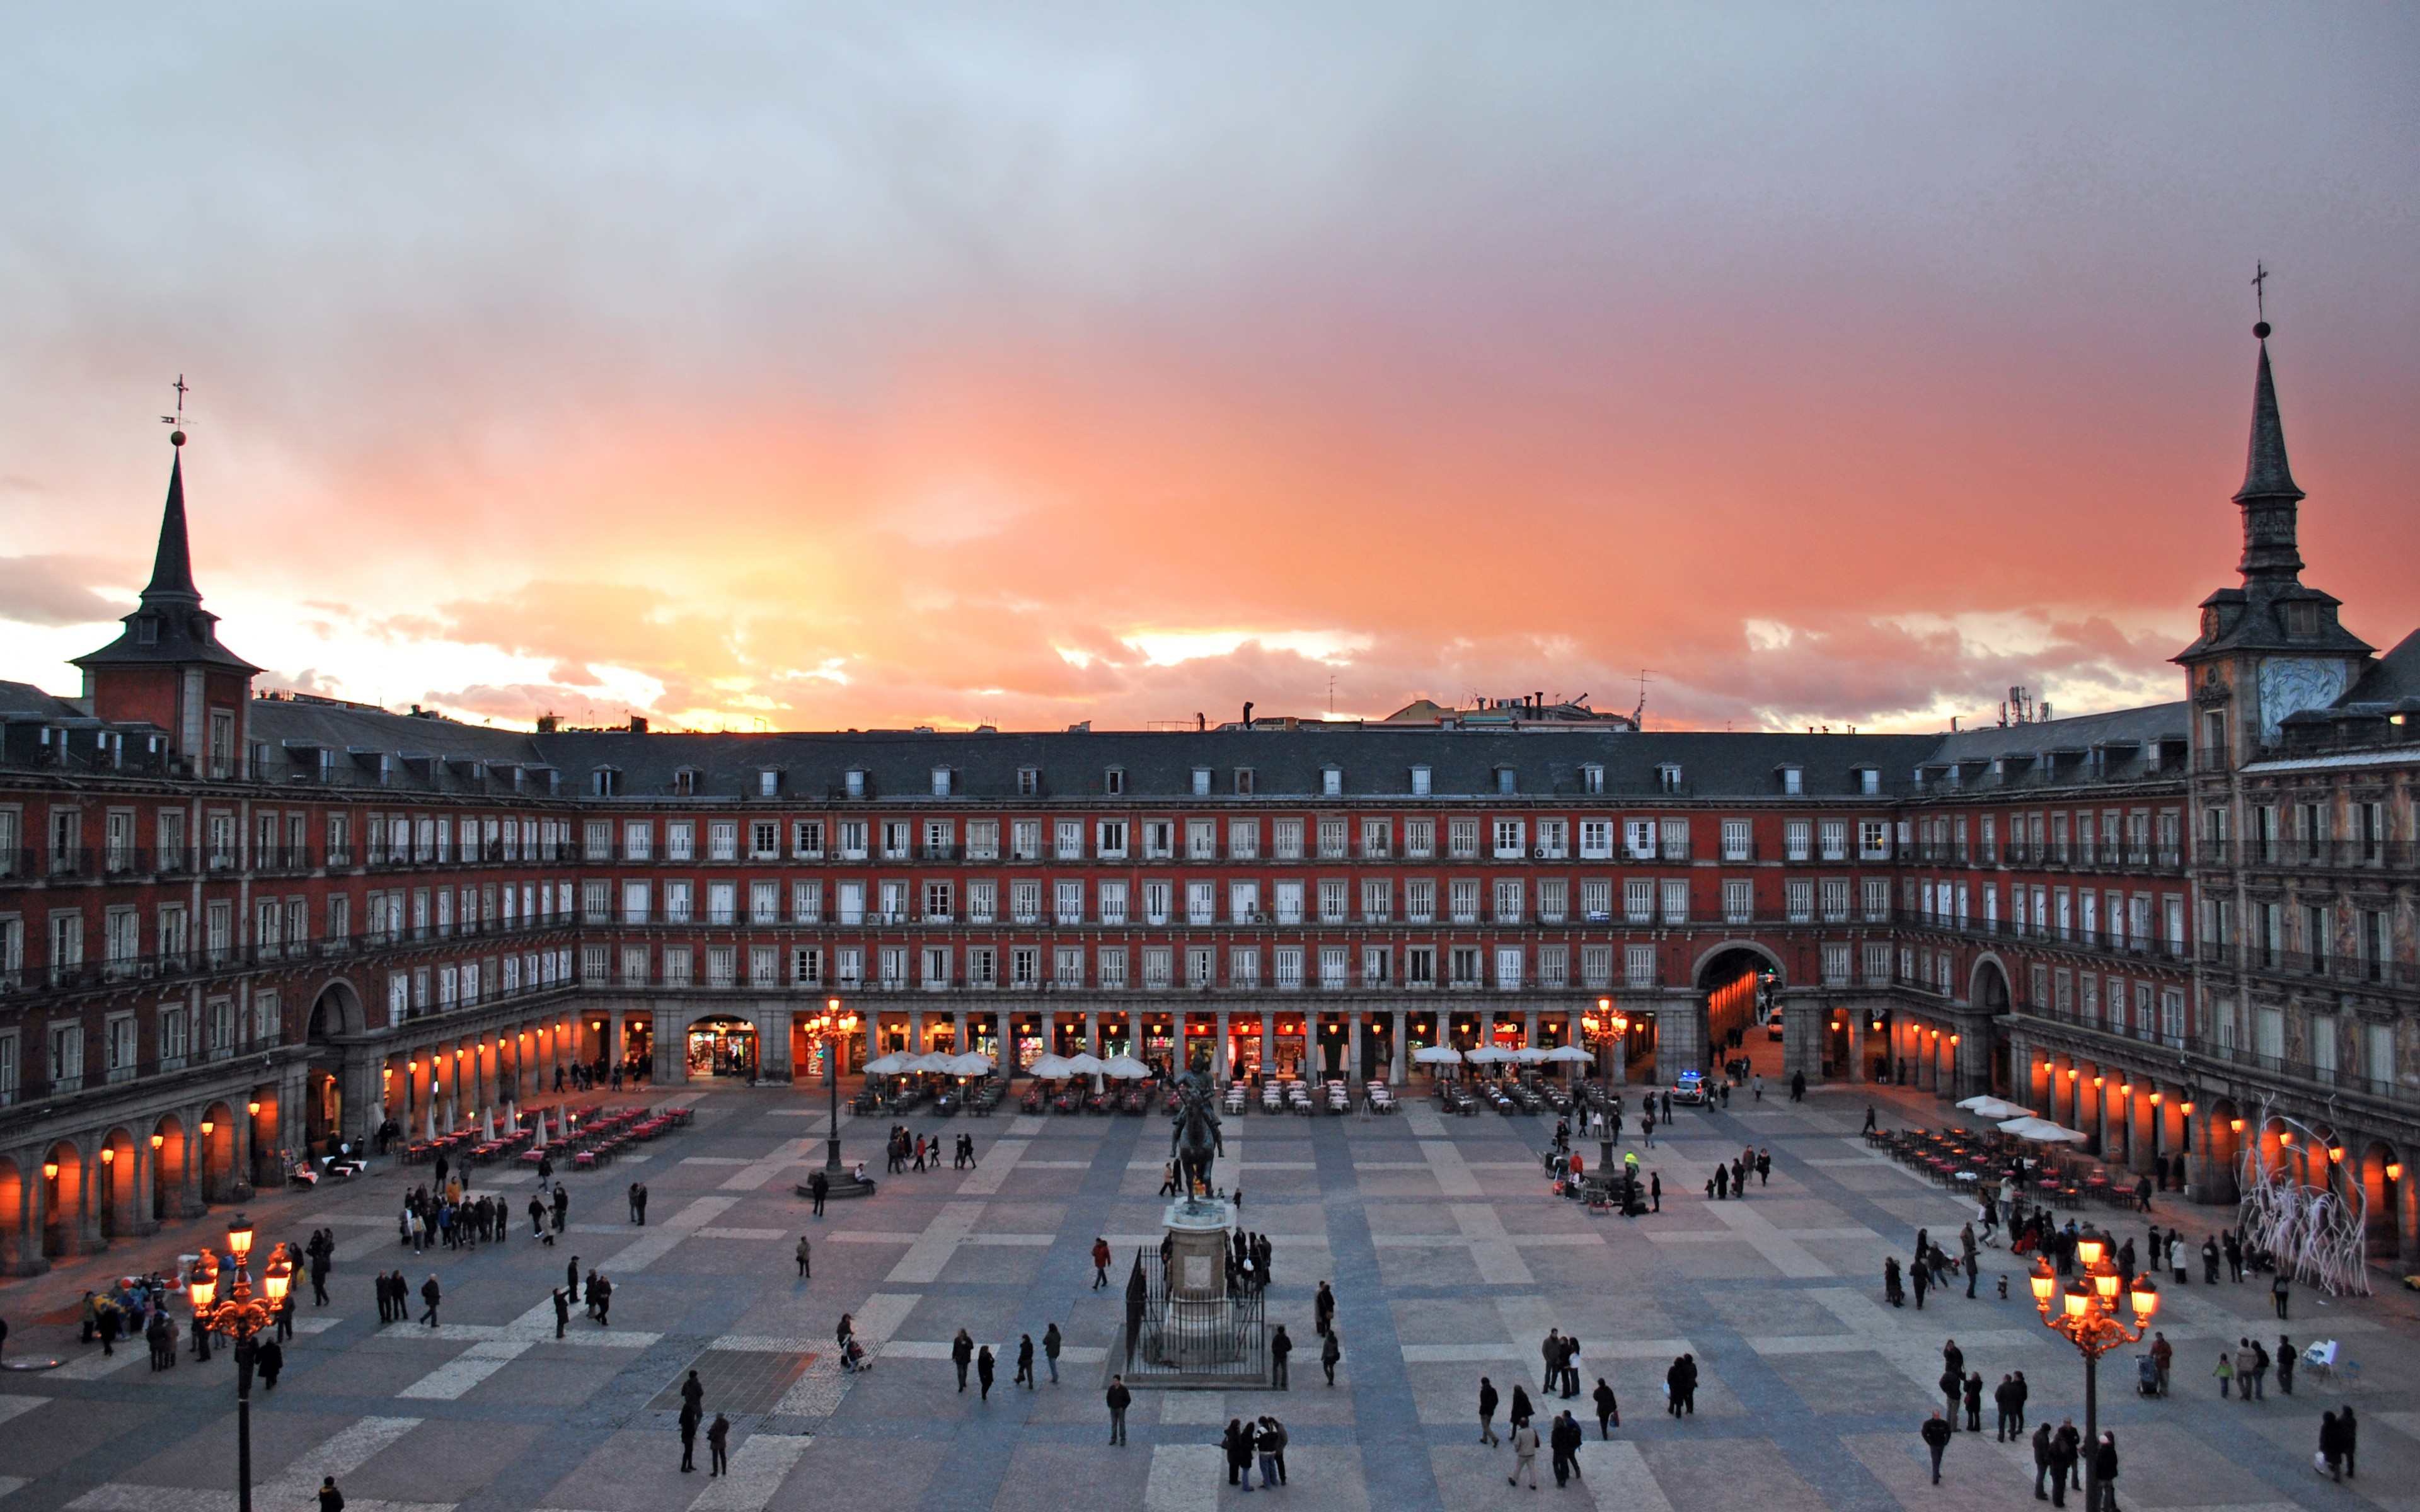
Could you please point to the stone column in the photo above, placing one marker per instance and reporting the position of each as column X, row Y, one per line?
column 1530, row 1029
column 140, row 1220
column 25, row 1251
column 1268, row 1043
column 670, row 1058
column 1396, row 1022
column 1093, row 1034
column 773, row 1041
column 1802, row 1037
column 915, row 1030
column 1680, row 1036
column 2407, row 1213
column 1221, row 1068
column 1857, row 1045
column 966, row 1039
column 1353, row 1047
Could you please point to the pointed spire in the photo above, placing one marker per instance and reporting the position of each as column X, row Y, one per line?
column 172, row 566
column 2265, row 472
column 2267, row 498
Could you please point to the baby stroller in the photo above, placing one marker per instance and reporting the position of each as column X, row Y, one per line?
column 2147, row 1375
column 852, row 1357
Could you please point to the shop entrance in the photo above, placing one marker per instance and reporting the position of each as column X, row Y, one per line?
column 721, row 1047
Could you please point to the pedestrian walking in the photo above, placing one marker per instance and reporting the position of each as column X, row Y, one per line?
column 2005, row 1410
column 2280, row 1292
column 1119, row 1400
column 269, row 1359
column 2351, row 1431
column 1330, row 1352
column 688, row 1421
column 1024, row 1361
column 331, row 1499
column 1936, row 1433
column 2041, row 1461
column 2163, row 1355
column 2226, row 1373
column 2104, row 1472
column 561, row 1311
column 2330, row 1460
column 1323, row 1308
column 718, row 1438
column 806, row 1267
column 1487, row 1400
column 1608, row 1411
column 1524, row 1456
column 962, row 1354
column 1237, row 1445
column 2285, row 1365
column 430, row 1294
column 1100, row 1263
column 818, row 1187
column 634, row 1201
column 985, row 1365
column 604, row 1300
column 642, row 1204
column 1280, row 1347
column 1975, row 1401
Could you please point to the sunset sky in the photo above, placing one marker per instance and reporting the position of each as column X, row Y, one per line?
column 951, row 364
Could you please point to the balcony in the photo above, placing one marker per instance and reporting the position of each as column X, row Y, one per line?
column 2348, row 970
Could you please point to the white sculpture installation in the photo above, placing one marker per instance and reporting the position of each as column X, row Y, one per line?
column 2319, row 1235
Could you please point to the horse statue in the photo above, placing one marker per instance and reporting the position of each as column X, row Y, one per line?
column 1196, row 1141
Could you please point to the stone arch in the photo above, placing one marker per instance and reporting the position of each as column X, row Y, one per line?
column 65, row 1199
column 14, row 1194
column 1987, row 983
column 217, row 1153
column 336, row 1010
column 2385, row 1199
column 1714, row 954
column 2222, row 1162
column 171, row 1148
column 118, row 1204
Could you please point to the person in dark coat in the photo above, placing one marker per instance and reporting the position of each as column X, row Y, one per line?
column 2351, row 1431
column 718, row 1438
column 331, row 1499
column 1936, row 1431
column 2041, row 1461
column 1608, row 1411
column 1565, row 1444
column 431, row 1294
column 688, row 1421
column 1522, row 1411
column 1119, row 1400
column 2332, row 1446
column 2104, row 1471
column 1280, row 1347
column 985, row 1367
column 1024, row 1361
column 269, row 1359
column 1487, row 1400
column 1237, row 1443
column 1330, row 1352
column 1975, row 1401
column 962, row 1354
column 692, row 1395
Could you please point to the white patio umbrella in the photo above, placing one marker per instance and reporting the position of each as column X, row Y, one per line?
column 1437, row 1054
column 432, row 1120
column 1488, row 1054
column 971, row 1064
column 1569, row 1051
column 1085, row 1063
column 488, row 1126
column 890, row 1065
column 1126, row 1068
column 540, row 1142
column 1995, row 1108
column 2041, row 1131
column 932, row 1060
column 1530, row 1054
column 1049, row 1068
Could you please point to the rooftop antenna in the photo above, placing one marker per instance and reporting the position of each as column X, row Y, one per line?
column 1645, row 676
column 1331, row 693
column 176, row 421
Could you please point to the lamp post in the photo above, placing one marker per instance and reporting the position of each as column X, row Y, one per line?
column 241, row 1317
column 832, row 1029
column 2085, row 1314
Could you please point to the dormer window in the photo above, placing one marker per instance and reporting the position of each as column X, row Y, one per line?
column 853, row 782
column 1029, row 781
column 1504, row 779
column 685, row 783
column 941, row 777
column 1201, row 781
column 146, row 630
column 1667, row 777
column 2302, row 618
column 1420, row 781
column 603, row 783
column 1591, row 779
column 1244, row 781
column 769, row 784
column 1113, row 781
column 1331, row 781
column 1794, row 780
column 1869, row 780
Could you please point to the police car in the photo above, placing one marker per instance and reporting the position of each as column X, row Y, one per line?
column 1691, row 1088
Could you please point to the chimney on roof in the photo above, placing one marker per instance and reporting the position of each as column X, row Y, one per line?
column 638, row 724
column 1201, row 722
column 548, row 723
column 1248, row 713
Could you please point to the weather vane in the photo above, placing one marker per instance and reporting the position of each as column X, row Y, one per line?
column 176, row 435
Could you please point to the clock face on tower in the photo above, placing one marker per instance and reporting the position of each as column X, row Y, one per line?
column 2289, row 684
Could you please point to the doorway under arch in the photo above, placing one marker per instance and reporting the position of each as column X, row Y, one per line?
column 721, row 1044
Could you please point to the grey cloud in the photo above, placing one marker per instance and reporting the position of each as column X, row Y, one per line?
column 52, row 589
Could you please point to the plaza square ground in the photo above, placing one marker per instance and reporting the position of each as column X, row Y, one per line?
column 1449, row 1257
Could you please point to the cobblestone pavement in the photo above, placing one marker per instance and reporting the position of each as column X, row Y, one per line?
column 1450, row 1259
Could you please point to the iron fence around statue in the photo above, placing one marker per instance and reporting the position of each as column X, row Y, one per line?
column 1168, row 1341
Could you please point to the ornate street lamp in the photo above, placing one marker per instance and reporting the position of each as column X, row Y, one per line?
column 2085, row 1314
column 832, row 1029
column 242, row 1317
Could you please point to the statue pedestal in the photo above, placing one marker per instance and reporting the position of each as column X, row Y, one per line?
column 1196, row 1333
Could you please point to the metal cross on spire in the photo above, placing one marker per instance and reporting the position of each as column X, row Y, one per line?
column 176, row 435
column 2259, row 292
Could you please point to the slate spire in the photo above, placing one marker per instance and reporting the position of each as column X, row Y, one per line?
column 2269, row 496
column 172, row 566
